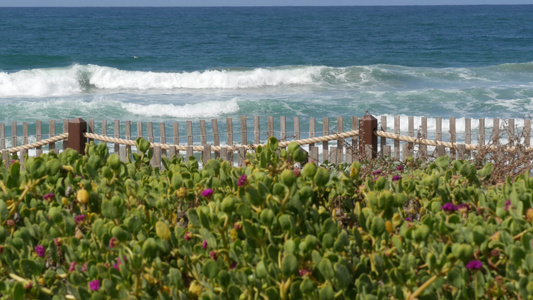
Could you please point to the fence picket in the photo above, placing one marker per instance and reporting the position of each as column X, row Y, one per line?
column 325, row 146
column 216, row 136
column 116, row 134
column 397, row 142
column 52, row 131
column 38, row 137
column 229, row 129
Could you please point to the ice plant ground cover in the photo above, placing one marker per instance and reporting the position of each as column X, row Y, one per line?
column 94, row 227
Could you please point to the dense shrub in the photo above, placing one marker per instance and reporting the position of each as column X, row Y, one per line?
column 92, row 226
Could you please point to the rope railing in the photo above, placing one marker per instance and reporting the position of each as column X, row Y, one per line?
column 420, row 141
column 307, row 141
column 53, row 139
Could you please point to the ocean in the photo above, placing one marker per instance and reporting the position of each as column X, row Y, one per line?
column 177, row 64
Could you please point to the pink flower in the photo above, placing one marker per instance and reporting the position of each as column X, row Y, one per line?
column 400, row 168
column 507, row 204
column 84, row 267
column 213, row 254
column 187, row 235
column 117, row 264
column 79, row 219
column 474, row 265
column 204, row 245
column 396, row 178
column 40, row 250
column 48, row 197
column 243, row 180
column 94, row 285
column 113, row 242
column 304, row 272
column 376, row 172
column 449, row 207
column 72, row 266
column 207, row 193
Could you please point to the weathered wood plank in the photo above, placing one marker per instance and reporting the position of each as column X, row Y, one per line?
column 216, row 136
column 38, row 137
column 453, row 152
column 340, row 142
column 468, row 136
column 139, row 132
column 91, row 128
column 150, row 131
column 176, row 136
column 65, row 130
column 481, row 129
column 383, row 140
column 229, row 129
column 156, row 157
column 411, row 133
column 325, row 146
column 313, row 154
column 312, row 129
column 423, row 149
column 270, row 126
column 52, row 131
column 257, row 132
column 333, row 155
column 510, row 131
column 241, row 155
column 354, row 145
column 116, row 134
column 244, row 131
column 13, row 134
column 224, row 153
column 206, row 154
column 162, row 137
column 396, row 142
column 496, row 131
column 189, row 152
column 438, row 136
column 24, row 142
column 283, row 128
column 203, row 133
column 127, row 133
column 189, row 134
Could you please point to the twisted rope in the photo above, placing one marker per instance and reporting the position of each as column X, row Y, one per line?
column 320, row 139
column 57, row 138
column 420, row 141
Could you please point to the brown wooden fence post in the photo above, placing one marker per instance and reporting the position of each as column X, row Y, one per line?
column 367, row 126
column 76, row 140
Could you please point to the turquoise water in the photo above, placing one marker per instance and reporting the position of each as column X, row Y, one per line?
column 175, row 64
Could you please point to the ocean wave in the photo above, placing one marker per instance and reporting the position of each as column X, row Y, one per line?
column 208, row 109
column 78, row 79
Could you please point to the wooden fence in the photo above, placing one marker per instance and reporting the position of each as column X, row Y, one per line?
column 338, row 140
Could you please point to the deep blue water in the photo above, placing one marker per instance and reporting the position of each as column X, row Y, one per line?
column 164, row 64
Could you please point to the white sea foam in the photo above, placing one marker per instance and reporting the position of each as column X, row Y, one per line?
column 208, row 109
column 40, row 82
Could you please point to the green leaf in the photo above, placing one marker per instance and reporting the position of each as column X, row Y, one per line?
column 326, row 292
column 18, row 291
column 289, row 265
column 210, row 269
column 29, row 268
column 326, row 269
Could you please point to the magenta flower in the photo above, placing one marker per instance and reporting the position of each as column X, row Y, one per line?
column 113, row 242
column 474, row 265
column 48, row 197
column 204, row 244
column 237, row 226
column 84, row 267
column 117, row 264
column 79, row 219
column 507, row 204
column 207, row 193
column 409, row 219
column 233, row 265
column 72, row 266
column 187, row 235
column 94, row 285
column 243, row 180
column 375, row 178
column 396, row 178
column 57, row 242
column 40, row 250
column 213, row 254
column 400, row 168
column 376, row 172
column 449, row 207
